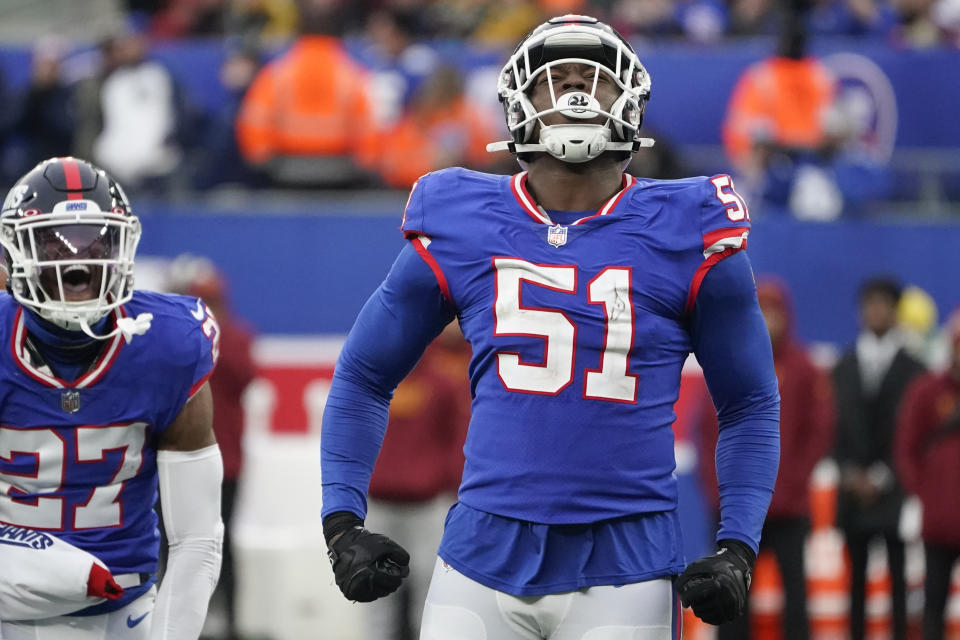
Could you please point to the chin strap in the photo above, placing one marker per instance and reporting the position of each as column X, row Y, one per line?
column 128, row 327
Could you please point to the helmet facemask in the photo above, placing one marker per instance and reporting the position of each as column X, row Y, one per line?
column 574, row 40
column 71, row 266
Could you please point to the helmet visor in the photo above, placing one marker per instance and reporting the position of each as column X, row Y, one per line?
column 72, row 242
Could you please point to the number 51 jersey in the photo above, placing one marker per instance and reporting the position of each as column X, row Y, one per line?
column 578, row 329
column 78, row 459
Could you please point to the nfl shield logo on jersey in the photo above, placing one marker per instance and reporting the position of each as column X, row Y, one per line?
column 70, row 401
column 557, row 235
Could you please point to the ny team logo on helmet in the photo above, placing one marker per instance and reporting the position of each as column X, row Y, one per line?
column 582, row 40
column 69, row 238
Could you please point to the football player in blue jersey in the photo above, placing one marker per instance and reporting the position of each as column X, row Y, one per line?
column 104, row 397
column 582, row 290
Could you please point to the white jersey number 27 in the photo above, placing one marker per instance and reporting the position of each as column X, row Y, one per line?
column 46, row 474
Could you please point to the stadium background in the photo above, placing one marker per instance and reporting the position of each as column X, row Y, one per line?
column 301, row 262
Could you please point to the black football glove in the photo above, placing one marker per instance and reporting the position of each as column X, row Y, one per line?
column 717, row 586
column 366, row 565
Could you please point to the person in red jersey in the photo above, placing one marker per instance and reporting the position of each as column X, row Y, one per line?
column 806, row 426
column 927, row 455
column 417, row 474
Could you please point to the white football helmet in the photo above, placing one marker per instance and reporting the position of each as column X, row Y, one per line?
column 69, row 238
column 583, row 40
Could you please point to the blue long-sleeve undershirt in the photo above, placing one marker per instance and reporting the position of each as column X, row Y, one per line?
column 408, row 310
column 731, row 343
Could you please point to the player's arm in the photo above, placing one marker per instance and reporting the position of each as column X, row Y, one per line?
column 394, row 327
column 732, row 344
column 191, row 471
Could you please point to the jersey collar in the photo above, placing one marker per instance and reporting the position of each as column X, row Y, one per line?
column 518, row 185
column 44, row 375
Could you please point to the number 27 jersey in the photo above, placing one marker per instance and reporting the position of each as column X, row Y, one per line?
column 578, row 333
column 78, row 458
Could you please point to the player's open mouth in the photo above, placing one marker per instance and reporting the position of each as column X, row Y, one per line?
column 76, row 279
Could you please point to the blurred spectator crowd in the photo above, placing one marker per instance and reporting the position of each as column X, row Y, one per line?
column 502, row 23
column 302, row 112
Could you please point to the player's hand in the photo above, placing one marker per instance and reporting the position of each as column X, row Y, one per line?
column 717, row 586
column 366, row 565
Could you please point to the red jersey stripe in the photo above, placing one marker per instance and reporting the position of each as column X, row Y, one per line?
column 715, row 236
column 701, row 273
column 434, row 266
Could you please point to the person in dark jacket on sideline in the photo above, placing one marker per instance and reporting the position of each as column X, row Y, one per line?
column 869, row 382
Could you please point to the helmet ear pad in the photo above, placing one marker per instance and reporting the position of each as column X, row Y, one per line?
column 518, row 110
column 630, row 110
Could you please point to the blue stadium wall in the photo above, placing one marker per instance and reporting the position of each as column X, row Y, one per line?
column 310, row 272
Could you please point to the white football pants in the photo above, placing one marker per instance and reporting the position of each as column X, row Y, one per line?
column 457, row 608
column 132, row 622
